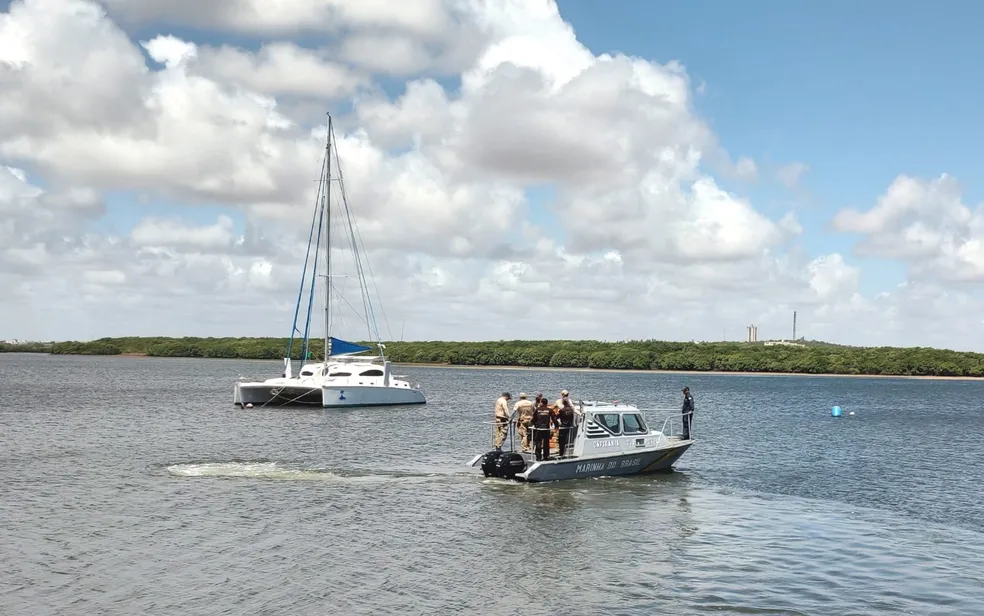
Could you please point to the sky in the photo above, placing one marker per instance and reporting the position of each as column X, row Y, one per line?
column 519, row 169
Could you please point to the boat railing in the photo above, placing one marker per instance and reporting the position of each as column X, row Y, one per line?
column 512, row 436
column 672, row 424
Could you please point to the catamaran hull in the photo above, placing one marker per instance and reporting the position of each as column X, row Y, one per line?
column 265, row 395
column 633, row 464
column 342, row 396
column 262, row 394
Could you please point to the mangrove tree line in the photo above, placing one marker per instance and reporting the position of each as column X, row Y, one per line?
column 813, row 358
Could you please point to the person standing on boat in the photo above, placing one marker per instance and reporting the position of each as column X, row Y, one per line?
column 563, row 400
column 688, row 412
column 543, row 419
column 566, row 427
column 524, row 413
column 502, row 418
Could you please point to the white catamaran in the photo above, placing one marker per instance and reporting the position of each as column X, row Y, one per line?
column 345, row 377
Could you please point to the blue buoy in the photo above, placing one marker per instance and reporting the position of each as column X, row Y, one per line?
column 835, row 412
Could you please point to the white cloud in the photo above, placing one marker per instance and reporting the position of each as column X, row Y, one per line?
column 386, row 54
column 427, row 17
column 637, row 238
column 791, row 174
column 81, row 105
column 381, row 35
column 37, row 228
column 831, row 277
column 926, row 224
column 105, row 277
column 746, row 169
column 279, row 68
column 164, row 233
column 62, row 64
column 658, row 219
column 170, row 51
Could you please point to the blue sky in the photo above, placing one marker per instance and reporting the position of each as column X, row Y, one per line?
column 859, row 91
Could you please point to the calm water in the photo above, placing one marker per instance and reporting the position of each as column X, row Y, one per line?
column 133, row 486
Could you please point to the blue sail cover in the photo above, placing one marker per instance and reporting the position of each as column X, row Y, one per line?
column 343, row 347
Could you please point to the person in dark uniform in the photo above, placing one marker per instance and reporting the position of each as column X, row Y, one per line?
column 543, row 420
column 566, row 428
column 688, row 412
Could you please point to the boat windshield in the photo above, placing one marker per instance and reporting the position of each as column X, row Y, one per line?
column 609, row 421
column 633, row 423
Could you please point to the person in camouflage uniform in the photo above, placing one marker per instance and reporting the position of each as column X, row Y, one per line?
column 524, row 413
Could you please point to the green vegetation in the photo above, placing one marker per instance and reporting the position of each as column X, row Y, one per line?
column 813, row 358
column 25, row 347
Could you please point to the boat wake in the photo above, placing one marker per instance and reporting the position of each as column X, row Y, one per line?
column 252, row 470
column 287, row 472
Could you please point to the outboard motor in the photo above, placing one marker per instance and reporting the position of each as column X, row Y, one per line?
column 488, row 463
column 508, row 465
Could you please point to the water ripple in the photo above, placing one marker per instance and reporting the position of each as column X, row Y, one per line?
column 165, row 500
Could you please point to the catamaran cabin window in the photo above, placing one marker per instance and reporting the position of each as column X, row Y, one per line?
column 340, row 374
column 610, row 421
column 634, row 424
column 373, row 372
column 306, row 373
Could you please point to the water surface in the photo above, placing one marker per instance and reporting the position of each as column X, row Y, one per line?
column 132, row 485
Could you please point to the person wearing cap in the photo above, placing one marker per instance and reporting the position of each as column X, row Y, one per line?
column 563, row 400
column 566, row 429
column 566, row 425
column 524, row 413
column 543, row 418
column 688, row 412
column 502, row 418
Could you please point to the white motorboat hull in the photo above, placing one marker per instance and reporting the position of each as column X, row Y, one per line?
column 345, row 396
column 558, row 469
column 654, row 461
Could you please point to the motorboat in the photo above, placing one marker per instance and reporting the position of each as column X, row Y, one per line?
column 611, row 439
column 344, row 377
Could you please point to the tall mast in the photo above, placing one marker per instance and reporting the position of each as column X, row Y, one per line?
column 328, row 243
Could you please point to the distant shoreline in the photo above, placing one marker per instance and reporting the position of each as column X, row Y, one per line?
column 782, row 358
column 594, row 370
column 694, row 372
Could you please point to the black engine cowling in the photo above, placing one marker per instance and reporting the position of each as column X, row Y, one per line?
column 505, row 465
column 488, row 463
column 509, row 464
